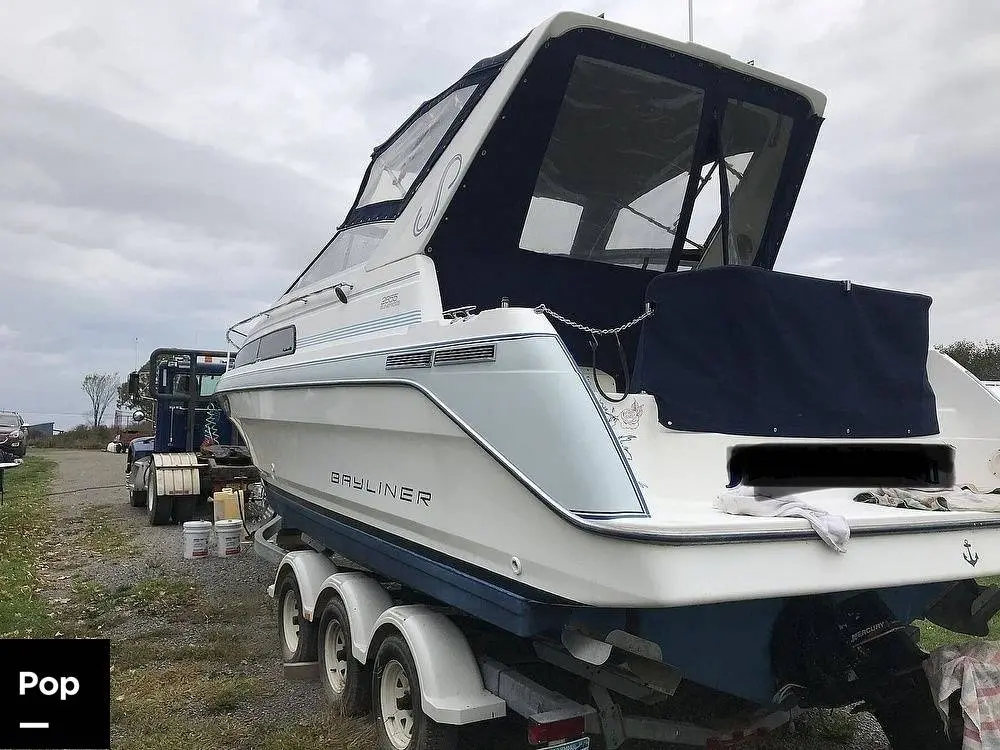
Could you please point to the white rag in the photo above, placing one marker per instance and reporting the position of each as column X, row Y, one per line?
column 974, row 669
column 759, row 501
column 966, row 497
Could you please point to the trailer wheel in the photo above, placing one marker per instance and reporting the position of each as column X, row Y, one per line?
column 158, row 508
column 342, row 675
column 400, row 722
column 296, row 635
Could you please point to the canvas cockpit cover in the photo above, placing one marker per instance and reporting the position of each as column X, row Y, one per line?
column 747, row 351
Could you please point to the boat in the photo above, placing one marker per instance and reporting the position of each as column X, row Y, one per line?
column 549, row 336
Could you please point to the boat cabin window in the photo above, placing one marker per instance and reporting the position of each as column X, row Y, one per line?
column 278, row 343
column 247, row 353
column 395, row 169
column 349, row 247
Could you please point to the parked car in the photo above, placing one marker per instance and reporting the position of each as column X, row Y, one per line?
column 13, row 434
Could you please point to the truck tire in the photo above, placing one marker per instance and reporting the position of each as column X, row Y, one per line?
column 183, row 510
column 400, row 723
column 137, row 498
column 158, row 509
column 342, row 676
column 296, row 635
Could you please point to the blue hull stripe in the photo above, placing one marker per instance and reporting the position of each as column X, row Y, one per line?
column 525, row 612
column 358, row 329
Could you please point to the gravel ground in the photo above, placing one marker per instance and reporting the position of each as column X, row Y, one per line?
column 102, row 541
column 235, row 586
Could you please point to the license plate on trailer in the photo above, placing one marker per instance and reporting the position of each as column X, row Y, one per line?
column 581, row 744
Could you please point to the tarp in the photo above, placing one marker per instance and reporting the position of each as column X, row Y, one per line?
column 747, row 351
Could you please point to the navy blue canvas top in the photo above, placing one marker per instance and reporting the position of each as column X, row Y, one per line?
column 747, row 351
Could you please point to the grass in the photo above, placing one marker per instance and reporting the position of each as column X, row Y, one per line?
column 827, row 725
column 159, row 596
column 164, row 697
column 24, row 521
column 933, row 637
column 103, row 535
column 186, row 666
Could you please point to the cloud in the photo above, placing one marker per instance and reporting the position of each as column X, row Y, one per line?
column 167, row 169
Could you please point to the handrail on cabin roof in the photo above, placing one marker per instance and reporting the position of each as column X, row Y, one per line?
column 300, row 298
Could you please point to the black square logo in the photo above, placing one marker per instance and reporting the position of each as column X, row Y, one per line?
column 56, row 694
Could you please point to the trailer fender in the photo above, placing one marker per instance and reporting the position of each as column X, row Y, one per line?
column 364, row 599
column 310, row 569
column 451, row 685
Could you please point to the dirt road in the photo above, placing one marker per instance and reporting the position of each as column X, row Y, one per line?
column 195, row 658
column 194, row 644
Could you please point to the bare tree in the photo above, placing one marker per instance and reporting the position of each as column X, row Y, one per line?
column 101, row 388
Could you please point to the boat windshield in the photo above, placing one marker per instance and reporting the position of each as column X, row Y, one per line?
column 615, row 181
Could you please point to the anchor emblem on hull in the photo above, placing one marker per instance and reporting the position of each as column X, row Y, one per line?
column 970, row 557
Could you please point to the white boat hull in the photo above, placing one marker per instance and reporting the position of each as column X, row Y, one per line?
column 343, row 448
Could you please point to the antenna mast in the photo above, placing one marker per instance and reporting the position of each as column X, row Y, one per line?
column 690, row 20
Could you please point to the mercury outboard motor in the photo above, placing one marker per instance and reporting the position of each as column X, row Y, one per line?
column 856, row 651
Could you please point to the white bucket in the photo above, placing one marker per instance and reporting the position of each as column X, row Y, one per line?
column 196, row 539
column 228, row 534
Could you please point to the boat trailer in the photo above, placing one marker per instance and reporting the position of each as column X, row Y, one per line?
column 339, row 624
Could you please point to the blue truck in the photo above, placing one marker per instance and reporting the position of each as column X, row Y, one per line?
column 195, row 450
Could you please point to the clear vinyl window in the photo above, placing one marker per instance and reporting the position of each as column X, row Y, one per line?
column 616, row 170
column 396, row 168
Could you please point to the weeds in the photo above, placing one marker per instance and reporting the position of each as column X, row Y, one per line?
column 104, row 535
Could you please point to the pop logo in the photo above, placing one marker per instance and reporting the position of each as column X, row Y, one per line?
column 49, row 686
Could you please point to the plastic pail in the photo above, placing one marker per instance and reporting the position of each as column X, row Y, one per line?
column 227, row 536
column 196, row 539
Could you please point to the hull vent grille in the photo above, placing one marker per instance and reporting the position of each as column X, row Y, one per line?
column 408, row 360
column 466, row 355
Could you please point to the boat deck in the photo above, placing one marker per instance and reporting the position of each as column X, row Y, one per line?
column 693, row 516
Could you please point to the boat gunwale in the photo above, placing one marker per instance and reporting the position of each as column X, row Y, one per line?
column 603, row 524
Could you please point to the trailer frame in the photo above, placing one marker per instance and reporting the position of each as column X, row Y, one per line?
column 462, row 682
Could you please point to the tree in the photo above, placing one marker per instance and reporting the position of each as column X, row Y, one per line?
column 124, row 398
column 981, row 359
column 141, row 400
column 101, row 388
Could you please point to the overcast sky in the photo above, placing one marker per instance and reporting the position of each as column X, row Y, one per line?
column 169, row 168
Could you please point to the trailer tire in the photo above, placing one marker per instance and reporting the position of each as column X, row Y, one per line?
column 296, row 635
column 342, row 676
column 400, row 723
column 137, row 498
column 158, row 508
